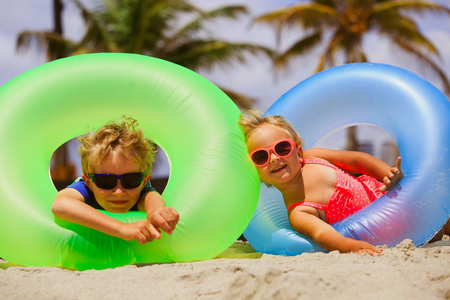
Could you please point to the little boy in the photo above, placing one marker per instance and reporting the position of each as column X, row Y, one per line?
column 116, row 162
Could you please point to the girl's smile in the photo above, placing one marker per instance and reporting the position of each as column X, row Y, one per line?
column 279, row 169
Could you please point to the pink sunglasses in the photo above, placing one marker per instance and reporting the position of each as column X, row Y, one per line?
column 283, row 148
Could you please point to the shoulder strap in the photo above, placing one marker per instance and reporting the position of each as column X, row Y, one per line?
column 318, row 162
column 310, row 204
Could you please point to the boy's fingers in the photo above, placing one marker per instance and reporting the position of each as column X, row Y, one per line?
column 171, row 218
column 142, row 239
column 160, row 223
column 154, row 232
column 166, row 228
column 175, row 218
column 165, row 219
column 147, row 234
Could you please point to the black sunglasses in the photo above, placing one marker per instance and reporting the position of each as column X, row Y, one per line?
column 109, row 181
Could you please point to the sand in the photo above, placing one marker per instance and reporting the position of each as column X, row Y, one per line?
column 403, row 272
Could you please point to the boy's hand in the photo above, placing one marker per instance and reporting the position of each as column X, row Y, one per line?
column 165, row 218
column 136, row 230
column 394, row 176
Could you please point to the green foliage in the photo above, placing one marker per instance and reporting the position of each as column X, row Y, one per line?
column 173, row 30
column 339, row 26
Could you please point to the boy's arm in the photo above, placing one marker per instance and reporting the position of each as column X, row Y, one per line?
column 69, row 205
column 325, row 235
column 359, row 162
column 158, row 215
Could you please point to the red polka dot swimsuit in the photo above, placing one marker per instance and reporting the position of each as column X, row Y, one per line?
column 351, row 194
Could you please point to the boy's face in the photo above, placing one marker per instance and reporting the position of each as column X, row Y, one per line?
column 118, row 199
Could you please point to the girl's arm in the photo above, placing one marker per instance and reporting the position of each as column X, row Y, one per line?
column 158, row 215
column 69, row 205
column 359, row 162
column 306, row 222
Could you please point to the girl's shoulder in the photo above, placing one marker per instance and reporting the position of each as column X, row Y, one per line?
column 318, row 156
column 317, row 153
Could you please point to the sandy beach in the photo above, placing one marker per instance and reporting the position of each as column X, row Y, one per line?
column 402, row 272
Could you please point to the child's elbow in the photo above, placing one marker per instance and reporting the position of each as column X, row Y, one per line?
column 321, row 237
column 57, row 208
column 318, row 235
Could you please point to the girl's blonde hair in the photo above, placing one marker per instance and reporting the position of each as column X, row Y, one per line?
column 124, row 138
column 250, row 120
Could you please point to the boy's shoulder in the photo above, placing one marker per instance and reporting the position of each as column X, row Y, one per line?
column 82, row 188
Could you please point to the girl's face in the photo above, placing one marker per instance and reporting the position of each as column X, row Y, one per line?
column 118, row 199
column 279, row 170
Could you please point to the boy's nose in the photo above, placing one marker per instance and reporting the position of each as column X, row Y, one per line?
column 119, row 189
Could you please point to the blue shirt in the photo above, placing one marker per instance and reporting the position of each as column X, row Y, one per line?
column 89, row 197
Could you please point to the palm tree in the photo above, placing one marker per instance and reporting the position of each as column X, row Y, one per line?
column 153, row 27
column 338, row 27
column 156, row 28
column 52, row 42
column 149, row 27
column 62, row 169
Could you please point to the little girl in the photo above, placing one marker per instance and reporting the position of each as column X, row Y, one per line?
column 316, row 190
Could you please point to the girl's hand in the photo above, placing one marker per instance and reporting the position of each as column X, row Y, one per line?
column 136, row 230
column 394, row 176
column 361, row 247
column 306, row 222
column 165, row 218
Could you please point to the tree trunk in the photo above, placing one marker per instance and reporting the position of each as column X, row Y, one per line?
column 62, row 170
column 56, row 51
column 352, row 141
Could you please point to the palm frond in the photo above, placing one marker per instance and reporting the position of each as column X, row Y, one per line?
column 150, row 21
column 44, row 41
column 395, row 26
column 230, row 12
column 192, row 28
column 301, row 47
column 418, row 7
column 333, row 46
column 34, row 39
column 409, row 48
column 242, row 101
column 306, row 15
column 97, row 37
column 205, row 54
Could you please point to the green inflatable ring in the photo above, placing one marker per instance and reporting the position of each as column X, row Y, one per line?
column 213, row 185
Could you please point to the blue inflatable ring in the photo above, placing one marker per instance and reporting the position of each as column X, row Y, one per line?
column 413, row 111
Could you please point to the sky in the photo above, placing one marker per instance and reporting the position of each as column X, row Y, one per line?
column 255, row 78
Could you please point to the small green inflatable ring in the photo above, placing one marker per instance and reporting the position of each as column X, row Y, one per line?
column 213, row 185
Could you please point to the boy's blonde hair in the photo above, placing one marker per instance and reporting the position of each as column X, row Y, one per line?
column 124, row 138
column 250, row 120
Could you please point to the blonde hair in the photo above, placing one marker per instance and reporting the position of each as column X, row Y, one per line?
column 250, row 120
column 124, row 138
